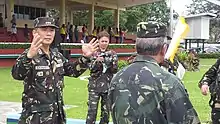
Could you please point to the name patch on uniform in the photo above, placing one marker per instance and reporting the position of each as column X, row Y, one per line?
column 42, row 67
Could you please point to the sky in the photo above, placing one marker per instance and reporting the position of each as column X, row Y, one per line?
column 180, row 5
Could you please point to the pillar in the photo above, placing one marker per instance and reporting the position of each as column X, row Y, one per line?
column 116, row 18
column 10, row 12
column 68, row 16
column 186, row 43
column 197, row 43
column 91, row 18
column 71, row 17
column 203, row 45
column 190, row 43
column 62, row 12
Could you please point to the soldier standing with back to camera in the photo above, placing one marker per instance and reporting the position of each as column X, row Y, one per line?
column 103, row 66
column 144, row 93
column 43, row 69
column 211, row 80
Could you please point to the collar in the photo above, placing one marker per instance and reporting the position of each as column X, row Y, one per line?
column 144, row 58
column 53, row 53
column 99, row 50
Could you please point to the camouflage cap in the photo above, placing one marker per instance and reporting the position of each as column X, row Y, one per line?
column 151, row 29
column 44, row 22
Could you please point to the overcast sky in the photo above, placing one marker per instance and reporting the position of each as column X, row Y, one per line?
column 180, row 5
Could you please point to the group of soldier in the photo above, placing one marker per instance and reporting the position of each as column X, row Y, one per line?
column 141, row 93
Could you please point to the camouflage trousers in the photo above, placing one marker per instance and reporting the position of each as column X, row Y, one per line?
column 215, row 115
column 41, row 118
column 93, row 101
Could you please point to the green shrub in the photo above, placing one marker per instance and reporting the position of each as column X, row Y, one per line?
column 122, row 64
column 10, row 45
column 182, row 56
column 189, row 60
column 209, row 55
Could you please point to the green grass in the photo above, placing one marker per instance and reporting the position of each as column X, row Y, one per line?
column 75, row 92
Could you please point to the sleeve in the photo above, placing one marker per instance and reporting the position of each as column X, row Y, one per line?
column 22, row 66
column 77, row 68
column 179, row 109
column 117, row 103
column 210, row 75
column 114, row 67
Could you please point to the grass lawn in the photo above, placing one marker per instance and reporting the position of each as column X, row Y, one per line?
column 75, row 92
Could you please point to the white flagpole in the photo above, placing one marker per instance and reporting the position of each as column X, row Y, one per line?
column 171, row 18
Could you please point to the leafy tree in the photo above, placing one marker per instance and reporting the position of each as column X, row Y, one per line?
column 157, row 11
column 80, row 17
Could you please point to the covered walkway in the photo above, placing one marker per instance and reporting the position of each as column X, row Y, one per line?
column 67, row 7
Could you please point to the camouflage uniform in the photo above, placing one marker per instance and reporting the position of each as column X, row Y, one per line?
column 212, row 79
column 43, row 75
column 144, row 93
column 100, row 77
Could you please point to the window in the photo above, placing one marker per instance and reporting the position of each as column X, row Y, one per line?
column 32, row 13
column 43, row 12
column 37, row 12
column 21, row 12
column 27, row 11
column 16, row 9
column 24, row 12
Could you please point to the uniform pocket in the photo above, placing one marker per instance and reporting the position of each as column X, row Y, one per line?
column 43, row 80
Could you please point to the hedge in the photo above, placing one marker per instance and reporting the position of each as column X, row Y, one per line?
column 122, row 64
column 209, row 55
column 10, row 45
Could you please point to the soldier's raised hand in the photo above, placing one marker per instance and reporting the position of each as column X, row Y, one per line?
column 90, row 48
column 35, row 46
column 205, row 89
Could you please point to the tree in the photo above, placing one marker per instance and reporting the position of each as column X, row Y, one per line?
column 104, row 18
column 54, row 13
column 80, row 17
column 201, row 6
column 157, row 11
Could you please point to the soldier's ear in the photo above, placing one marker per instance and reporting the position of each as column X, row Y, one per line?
column 34, row 31
column 164, row 49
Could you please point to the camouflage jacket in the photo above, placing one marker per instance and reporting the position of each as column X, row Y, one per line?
column 143, row 93
column 210, row 76
column 101, row 73
column 43, row 80
column 212, row 79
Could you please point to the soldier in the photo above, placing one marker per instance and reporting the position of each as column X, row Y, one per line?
column 43, row 70
column 103, row 66
column 144, row 93
column 210, row 80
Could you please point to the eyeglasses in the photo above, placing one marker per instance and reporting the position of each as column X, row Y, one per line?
column 104, row 41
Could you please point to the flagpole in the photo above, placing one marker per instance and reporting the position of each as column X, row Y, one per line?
column 171, row 18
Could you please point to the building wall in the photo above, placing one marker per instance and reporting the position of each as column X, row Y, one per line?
column 28, row 3
column 205, row 27
column 195, row 28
